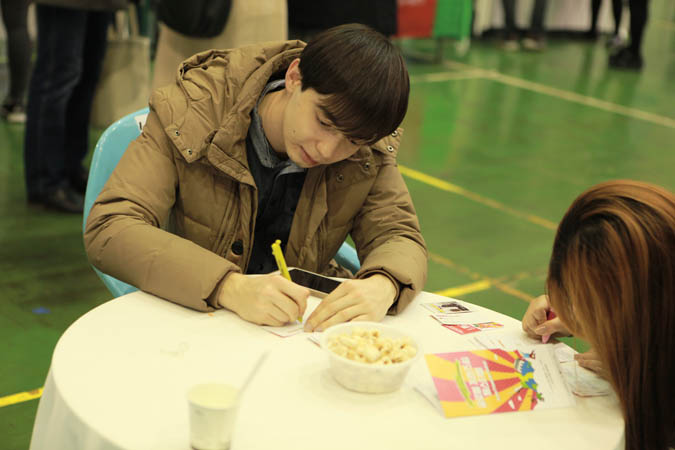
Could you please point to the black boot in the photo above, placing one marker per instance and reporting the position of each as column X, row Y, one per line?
column 78, row 180
column 626, row 58
column 64, row 199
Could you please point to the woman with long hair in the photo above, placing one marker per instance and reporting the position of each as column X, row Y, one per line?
column 611, row 281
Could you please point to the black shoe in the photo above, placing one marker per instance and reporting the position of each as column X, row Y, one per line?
column 64, row 199
column 625, row 58
column 78, row 180
column 34, row 197
column 589, row 35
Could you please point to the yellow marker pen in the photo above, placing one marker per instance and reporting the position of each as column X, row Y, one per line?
column 281, row 263
column 279, row 257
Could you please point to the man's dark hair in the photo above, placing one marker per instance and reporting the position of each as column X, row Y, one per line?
column 363, row 77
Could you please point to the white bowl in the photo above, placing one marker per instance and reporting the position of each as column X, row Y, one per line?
column 364, row 377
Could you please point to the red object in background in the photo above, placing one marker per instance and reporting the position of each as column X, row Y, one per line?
column 416, row 18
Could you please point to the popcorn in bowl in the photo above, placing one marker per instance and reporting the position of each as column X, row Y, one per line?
column 370, row 347
column 368, row 356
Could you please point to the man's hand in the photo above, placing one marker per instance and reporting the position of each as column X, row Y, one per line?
column 362, row 299
column 264, row 300
column 535, row 323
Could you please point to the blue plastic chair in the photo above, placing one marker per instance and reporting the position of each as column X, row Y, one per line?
column 108, row 152
column 109, row 149
column 348, row 258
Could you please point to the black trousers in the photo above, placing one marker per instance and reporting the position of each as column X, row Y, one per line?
column 536, row 21
column 15, row 19
column 70, row 50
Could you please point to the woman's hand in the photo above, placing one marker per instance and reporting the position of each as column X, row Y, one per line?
column 534, row 321
column 591, row 361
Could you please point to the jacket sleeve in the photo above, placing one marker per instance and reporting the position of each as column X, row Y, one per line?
column 387, row 235
column 125, row 234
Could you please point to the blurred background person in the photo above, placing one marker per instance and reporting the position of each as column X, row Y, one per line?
column 72, row 37
column 630, row 56
column 15, row 19
column 534, row 36
column 617, row 11
column 182, row 30
column 309, row 17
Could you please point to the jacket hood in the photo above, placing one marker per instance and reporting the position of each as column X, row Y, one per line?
column 215, row 91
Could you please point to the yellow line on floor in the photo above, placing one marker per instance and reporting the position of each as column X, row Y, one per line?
column 565, row 95
column 449, row 187
column 482, row 278
column 20, row 397
column 465, row 289
column 437, row 77
column 585, row 100
column 665, row 24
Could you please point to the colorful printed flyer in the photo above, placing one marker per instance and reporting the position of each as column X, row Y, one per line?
column 582, row 382
column 495, row 380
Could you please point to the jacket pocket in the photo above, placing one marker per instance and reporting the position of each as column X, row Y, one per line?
column 205, row 200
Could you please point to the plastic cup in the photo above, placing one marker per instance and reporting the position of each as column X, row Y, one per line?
column 213, row 408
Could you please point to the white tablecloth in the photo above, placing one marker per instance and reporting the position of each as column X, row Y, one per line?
column 120, row 373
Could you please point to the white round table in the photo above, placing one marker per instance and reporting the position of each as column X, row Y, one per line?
column 120, row 373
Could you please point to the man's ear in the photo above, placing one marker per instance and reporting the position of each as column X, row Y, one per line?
column 293, row 75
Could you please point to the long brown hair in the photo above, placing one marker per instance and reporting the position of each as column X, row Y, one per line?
column 612, row 280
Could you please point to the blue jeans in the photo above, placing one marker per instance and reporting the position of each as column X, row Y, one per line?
column 70, row 48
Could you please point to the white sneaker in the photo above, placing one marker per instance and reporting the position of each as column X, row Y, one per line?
column 615, row 42
column 15, row 113
column 510, row 45
column 16, row 117
column 533, row 45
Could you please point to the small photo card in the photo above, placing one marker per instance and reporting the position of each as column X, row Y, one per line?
column 449, row 307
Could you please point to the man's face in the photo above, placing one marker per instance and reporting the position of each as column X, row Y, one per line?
column 309, row 137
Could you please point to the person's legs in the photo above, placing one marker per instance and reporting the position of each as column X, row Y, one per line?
column 535, row 35
column 615, row 41
column 617, row 12
column 57, row 71
column 638, row 21
column 509, row 15
column 76, row 143
column 630, row 57
column 14, row 16
column 538, row 16
column 595, row 12
column 510, row 36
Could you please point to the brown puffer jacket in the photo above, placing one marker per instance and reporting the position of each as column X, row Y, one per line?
column 188, row 173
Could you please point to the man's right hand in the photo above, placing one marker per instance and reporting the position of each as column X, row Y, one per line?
column 264, row 300
column 534, row 321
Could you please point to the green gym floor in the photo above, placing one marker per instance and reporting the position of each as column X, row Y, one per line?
column 496, row 147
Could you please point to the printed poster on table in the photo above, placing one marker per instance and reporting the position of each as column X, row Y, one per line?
column 491, row 381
